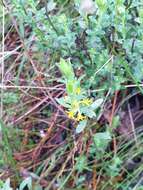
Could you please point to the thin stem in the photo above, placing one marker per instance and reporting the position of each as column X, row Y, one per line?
column 2, row 63
column 49, row 20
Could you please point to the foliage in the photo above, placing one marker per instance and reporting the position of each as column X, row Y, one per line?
column 65, row 120
column 91, row 40
column 6, row 185
column 10, row 97
column 26, row 183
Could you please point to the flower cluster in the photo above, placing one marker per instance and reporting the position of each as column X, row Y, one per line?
column 77, row 117
column 75, row 112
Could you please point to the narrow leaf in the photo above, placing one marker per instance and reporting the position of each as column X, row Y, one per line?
column 81, row 126
column 96, row 104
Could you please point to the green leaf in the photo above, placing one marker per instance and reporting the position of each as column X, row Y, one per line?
column 70, row 87
column 66, row 69
column 26, row 183
column 51, row 5
column 62, row 102
column 102, row 139
column 10, row 98
column 96, row 104
column 81, row 126
column 115, row 121
column 115, row 166
column 38, row 187
column 88, row 112
column 102, row 4
column 6, row 185
column 1, row 183
column 81, row 163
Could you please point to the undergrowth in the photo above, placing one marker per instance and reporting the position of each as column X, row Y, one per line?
column 71, row 94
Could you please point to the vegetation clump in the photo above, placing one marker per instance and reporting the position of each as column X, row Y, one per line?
column 71, row 94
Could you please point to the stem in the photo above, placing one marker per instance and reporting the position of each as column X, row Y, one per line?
column 49, row 20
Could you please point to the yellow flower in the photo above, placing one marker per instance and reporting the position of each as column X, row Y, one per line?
column 78, row 90
column 70, row 114
column 86, row 101
column 80, row 117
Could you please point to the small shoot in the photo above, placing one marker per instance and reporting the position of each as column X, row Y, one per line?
column 79, row 107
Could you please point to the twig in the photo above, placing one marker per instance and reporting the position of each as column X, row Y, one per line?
column 92, row 79
column 2, row 64
column 111, row 120
column 132, row 123
column 113, row 107
column 133, row 85
column 138, row 183
column 29, row 87
column 21, row 40
column 32, row 109
column 61, row 170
